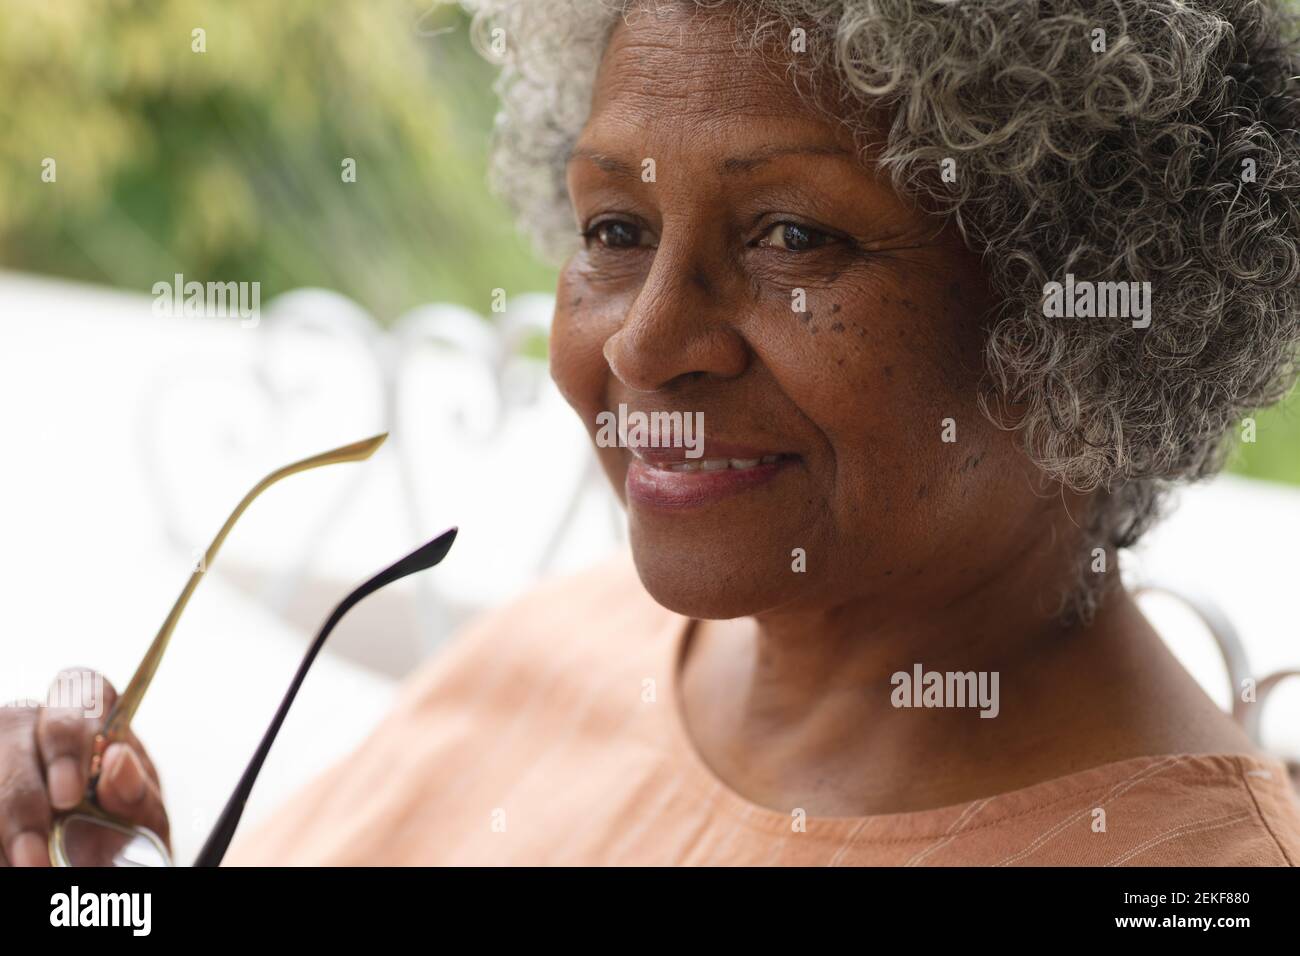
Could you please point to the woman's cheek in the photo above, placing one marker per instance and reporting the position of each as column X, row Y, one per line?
column 843, row 356
column 578, row 334
column 878, row 370
column 585, row 317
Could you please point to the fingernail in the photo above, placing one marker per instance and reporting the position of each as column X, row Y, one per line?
column 126, row 776
column 65, row 783
column 29, row 849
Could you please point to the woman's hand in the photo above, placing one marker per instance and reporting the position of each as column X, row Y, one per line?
column 45, row 767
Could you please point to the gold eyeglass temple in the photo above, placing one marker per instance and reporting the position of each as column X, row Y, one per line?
column 123, row 711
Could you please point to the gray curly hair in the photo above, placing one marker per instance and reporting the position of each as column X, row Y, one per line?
column 1119, row 164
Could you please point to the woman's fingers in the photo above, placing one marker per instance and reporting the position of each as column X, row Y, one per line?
column 24, row 805
column 128, row 784
column 128, row 790
column 45, row 766
column 79, row 699
column 143, row 754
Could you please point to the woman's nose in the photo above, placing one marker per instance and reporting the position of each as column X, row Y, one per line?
column 681, row 324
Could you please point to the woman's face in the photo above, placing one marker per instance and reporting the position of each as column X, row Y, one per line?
column 685, row 298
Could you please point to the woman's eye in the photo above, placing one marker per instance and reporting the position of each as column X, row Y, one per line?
column 617, row 234
column 794, row 237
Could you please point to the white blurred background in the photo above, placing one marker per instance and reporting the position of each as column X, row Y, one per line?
column 130, row 437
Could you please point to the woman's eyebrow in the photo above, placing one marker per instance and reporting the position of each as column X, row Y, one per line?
column 602, row 161
column 730, row 165
column 750, row 161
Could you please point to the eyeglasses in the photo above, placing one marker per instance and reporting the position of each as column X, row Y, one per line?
column 88, row 835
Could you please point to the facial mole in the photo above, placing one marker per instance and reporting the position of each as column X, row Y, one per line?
column 837, row 326
column 835, row 308
column 889, row 373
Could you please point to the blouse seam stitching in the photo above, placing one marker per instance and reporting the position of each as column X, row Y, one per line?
column 1260, row 813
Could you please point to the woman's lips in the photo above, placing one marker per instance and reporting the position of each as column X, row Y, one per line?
column 666, row 478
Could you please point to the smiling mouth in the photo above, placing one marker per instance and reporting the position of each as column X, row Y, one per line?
column 715, row 464
column 663, row 478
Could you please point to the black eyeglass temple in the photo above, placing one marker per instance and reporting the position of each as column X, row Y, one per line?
column 214, row 848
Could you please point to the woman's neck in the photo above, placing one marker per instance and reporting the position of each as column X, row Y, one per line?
column 866, row 709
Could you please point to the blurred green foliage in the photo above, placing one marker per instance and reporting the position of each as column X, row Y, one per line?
column 227, row 164
column 1275, row 453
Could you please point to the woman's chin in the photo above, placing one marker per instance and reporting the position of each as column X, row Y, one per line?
column 694, row 585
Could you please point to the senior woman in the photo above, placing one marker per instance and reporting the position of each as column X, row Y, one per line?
column 877, row 620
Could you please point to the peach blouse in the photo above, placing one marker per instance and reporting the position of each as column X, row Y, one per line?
column 549, row 733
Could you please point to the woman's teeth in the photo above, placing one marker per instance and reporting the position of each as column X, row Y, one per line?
column 716, row 464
